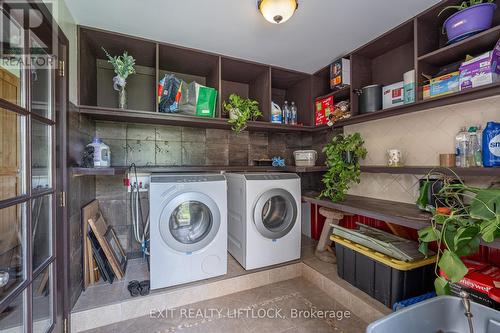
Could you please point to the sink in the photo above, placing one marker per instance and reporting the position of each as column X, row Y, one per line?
column 443, row 314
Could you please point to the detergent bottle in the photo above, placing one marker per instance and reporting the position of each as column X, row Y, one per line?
column 491, row 145
column 102, row 155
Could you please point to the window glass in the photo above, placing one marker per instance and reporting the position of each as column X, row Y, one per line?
column 42, row 66
column 12, row 248
column 12, row 317
column 41, row 156
column 42, row 301
column 12, row 153
column 11, row 61
column 41, row 222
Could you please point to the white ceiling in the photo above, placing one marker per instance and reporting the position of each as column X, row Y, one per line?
column 319, row 32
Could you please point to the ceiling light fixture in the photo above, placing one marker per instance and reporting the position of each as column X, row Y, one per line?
column 278, row 11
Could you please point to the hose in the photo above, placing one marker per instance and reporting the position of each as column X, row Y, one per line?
column 138, row 220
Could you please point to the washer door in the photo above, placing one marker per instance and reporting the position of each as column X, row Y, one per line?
column 275, row 213
column 189, row 222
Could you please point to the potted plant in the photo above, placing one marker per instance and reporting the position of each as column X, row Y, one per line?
column 465, row 216
column 124, row 66
column 473, row 16
column 241, row 110
column 342, row 159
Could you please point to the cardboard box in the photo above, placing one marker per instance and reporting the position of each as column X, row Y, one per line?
column 340, row 73
column 445, row 84
column 481, row 70
column 426, row 91
column 393, row 95
column 324, row 107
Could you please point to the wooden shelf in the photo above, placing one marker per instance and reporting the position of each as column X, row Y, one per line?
column 338, row 95
column 121, row 170
column 394, row 212
column 150, row 117
column 422, row 170
column 462, row 96
column 482, row 42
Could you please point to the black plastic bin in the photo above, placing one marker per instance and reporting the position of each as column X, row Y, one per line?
column 386, row 279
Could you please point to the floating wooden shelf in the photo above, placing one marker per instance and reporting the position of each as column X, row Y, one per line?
column 121, row 170
column 459, row 97
column 422, row 170
column 482, row 42
column 150, row 117
column 338, row 95
column 399, row 213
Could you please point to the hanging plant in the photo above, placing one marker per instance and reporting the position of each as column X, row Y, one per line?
column 342, row 159
column 466, row 216
column 241, row 110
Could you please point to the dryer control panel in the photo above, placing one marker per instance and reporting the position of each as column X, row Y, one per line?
column 186, row 178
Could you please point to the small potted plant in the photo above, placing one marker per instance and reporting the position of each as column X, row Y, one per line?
column 343, row 154
column 473, row 16
column 241, row 110
column 124, row 66
column 465, row 215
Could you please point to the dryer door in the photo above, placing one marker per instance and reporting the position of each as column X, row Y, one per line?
column 275, row 213
column 189, row 222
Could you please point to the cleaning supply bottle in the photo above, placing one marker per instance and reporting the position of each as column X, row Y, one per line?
column 276, row 114
column 461, row 143
column 491, row 145
column 102, row 155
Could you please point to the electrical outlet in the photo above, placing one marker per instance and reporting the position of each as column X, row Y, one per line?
column 142, row 181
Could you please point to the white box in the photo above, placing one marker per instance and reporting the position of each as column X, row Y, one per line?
column 393, row 95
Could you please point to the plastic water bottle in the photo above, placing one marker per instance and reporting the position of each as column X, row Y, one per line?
column 461, row 143
column 293, row 114
column 286, row 113
column 491, row 145
column 474, row 157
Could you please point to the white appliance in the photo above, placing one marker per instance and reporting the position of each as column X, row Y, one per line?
column 188, row 228
column 263, row 218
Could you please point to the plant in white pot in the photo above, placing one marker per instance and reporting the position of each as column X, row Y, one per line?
column 123, row 66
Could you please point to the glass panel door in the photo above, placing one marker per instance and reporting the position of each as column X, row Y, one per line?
column 27, row 168
column 190, row 222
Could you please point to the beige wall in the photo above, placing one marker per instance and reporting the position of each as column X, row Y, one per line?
column 422, row 136
column 65, row 20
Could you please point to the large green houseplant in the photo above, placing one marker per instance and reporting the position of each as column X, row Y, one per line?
column 241, row 110
column 342, row 159
column 466, row 216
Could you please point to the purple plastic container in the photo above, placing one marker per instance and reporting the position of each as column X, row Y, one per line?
column 471, row 20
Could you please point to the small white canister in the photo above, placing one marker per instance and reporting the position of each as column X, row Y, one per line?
column 305, row 158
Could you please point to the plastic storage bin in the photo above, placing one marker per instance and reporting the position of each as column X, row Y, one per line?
column 305, row 158
column 386, row 279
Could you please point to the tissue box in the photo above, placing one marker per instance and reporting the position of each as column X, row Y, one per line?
column 393, row 95
column 444, row 85
column 481, row 70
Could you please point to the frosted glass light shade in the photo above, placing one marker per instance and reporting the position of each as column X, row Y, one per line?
column 277, row 11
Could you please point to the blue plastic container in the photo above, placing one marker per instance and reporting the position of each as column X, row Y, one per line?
column 491, row 145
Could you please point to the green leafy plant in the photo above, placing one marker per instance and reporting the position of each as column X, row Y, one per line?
column 466, row 215
column 465, row 5
column 342, row 159
column 244, row 110
column 123, row 65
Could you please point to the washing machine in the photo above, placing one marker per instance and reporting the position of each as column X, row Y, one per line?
column 188, row 231
column 263, row 218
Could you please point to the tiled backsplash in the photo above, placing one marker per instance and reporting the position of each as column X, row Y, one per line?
column 421, row 136
column 160, row 145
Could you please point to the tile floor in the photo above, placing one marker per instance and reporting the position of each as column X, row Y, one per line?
column 280, row 304
column 104, row 293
